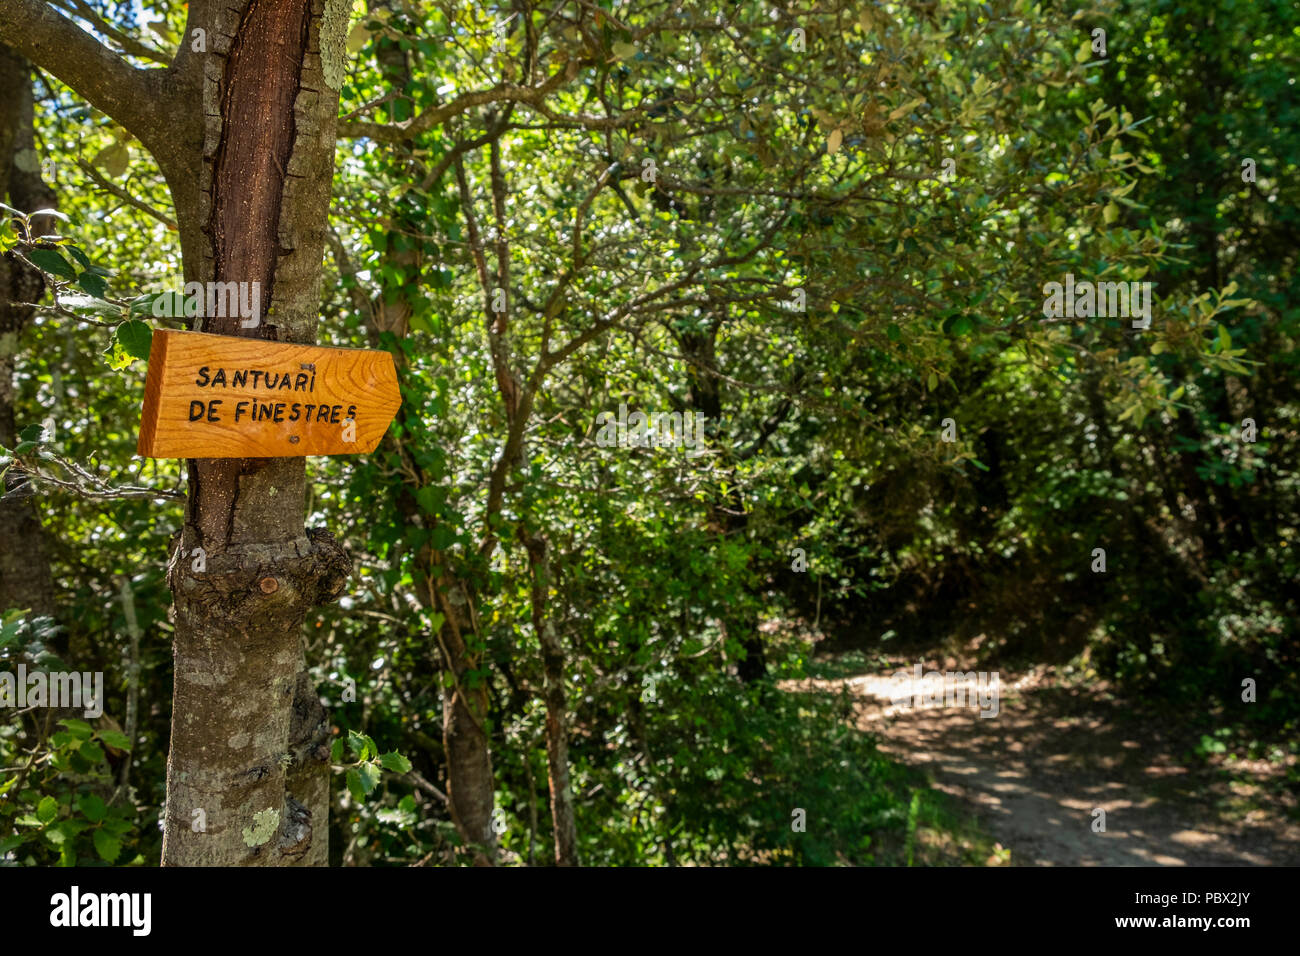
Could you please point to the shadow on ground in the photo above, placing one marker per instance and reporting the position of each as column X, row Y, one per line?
column 1035, row 773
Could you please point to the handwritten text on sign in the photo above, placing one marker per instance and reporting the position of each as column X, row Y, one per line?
column 217, row 396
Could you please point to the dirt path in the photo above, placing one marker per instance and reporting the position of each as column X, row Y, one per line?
column 1035, row 773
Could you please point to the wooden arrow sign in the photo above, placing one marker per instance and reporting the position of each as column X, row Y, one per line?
column 218, row 396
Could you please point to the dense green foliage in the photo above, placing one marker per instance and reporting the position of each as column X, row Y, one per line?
column 779, row 171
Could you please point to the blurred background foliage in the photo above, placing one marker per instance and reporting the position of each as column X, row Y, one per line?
column 800, row 268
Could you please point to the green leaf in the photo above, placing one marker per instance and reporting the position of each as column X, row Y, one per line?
column 395, row 762
column 12, row 843
column 113, row 159
column 91, row 807
column 82, row 259
column 131, row 341
column 116, row 739
column 107, row 846
column 33, row 433
column 143, row 304
column 427, row 499
column 79, row 728
column 136, row 338
column 359, row 745
column 370, row 775
column 47, row 809
column 354, row 786
column 47, row 260
column 336, row 750
column 116, row 825
column 93, row 284
column 88, row 303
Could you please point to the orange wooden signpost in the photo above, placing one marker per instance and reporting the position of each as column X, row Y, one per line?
column 218, row 396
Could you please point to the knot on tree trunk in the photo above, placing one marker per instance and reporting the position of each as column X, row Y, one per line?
column 261, row 579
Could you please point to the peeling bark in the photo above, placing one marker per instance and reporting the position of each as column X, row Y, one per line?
column 249, row 735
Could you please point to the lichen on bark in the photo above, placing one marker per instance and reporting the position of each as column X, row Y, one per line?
column 334, row 41
column 265, row 824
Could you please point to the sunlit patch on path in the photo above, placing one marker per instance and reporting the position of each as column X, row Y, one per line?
column 1037, row 771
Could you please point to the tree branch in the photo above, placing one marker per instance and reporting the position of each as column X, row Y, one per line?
column 531, row 96
column 128, row 43
column 97, row 74
column 123, row 195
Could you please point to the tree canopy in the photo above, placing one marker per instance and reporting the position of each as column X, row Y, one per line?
column 811, row 246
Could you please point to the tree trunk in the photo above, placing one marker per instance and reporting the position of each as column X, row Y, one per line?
column 249, row 736
column 244, row 133
column 25, row 580
column 466, row 747
column 727, row 516
column 470, row 792
column 557, row 708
